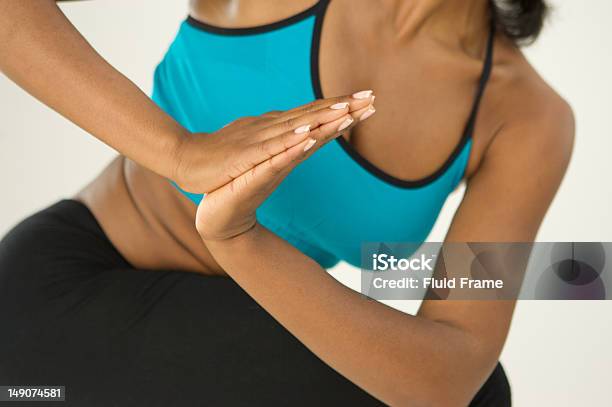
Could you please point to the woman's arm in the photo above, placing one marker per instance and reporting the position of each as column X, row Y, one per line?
column 43, row 53
column 444, row 354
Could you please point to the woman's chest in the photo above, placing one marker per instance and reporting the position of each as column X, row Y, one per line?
column 425, row 94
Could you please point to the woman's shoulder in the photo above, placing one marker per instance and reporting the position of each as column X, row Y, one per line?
column 531, row 111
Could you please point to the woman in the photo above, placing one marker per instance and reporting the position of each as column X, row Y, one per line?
column 94, row 290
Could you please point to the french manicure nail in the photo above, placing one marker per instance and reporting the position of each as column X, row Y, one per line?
column 339, row 106
column 345, row 124
column 364, row 94
column 302, row 129
column 373, row 98
column 309, row 144
column 367, row 113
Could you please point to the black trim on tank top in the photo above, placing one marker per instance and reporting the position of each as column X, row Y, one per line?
column 361, row 160
column 260, row 29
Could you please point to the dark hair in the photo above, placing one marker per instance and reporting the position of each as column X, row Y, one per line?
column 519, row 20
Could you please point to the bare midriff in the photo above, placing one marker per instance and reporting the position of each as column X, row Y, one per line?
column 152, row 224
column 149, row 222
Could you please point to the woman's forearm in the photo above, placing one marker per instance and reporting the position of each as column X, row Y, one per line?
column 42, row 52
column 401, row 359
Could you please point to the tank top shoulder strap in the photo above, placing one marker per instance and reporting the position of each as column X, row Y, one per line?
column 482, row 83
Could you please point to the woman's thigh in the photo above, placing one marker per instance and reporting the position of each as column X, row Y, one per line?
column 76, row 314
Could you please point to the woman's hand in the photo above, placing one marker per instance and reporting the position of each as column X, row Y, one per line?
column 229, row 210
column 205, row 162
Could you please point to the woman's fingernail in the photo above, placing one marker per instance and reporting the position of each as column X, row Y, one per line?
column 302, row 129
column 364, row 94
column 367, row 113
column 309, row 144
column 345, row 124
column 339, row 106
column 373, row 98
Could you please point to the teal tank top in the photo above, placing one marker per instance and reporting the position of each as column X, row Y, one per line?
column 334, row 201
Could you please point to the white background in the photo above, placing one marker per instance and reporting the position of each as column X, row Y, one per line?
column 558, row 353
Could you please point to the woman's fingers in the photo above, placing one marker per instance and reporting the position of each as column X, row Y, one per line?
column 273, row 146
column 261, row 151
column 267, row 175
column 356, row 101
column 331, row 130
column 363, row 114
column 320, row 125
column 286, row 152
column 281, row 164
column 323, row 132
column 304, row 122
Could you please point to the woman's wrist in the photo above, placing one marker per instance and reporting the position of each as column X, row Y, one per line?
column 249, row 234
column 177, row 156
column 239, row 248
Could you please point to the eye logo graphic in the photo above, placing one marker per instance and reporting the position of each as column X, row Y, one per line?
column 575, row 273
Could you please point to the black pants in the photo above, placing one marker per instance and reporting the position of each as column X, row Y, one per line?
column 73, row 312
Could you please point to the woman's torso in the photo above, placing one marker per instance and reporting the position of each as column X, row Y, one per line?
column 425, row 90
